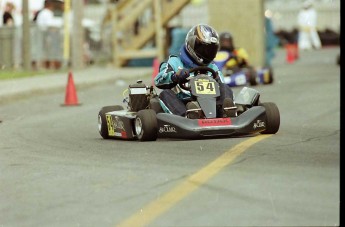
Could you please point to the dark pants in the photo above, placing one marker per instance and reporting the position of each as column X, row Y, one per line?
column 175, row 105
column 225, row 92
column 178, row 107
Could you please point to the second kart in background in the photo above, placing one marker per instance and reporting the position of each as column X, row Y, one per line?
column 234, row 63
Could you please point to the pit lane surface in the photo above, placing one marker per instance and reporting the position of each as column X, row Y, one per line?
column 57, row 171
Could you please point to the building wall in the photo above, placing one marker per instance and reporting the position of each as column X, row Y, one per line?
column 245, row 21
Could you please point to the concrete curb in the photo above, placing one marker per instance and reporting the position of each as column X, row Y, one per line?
column 56, row 82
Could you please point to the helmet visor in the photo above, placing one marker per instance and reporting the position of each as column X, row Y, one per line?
column 206, row 51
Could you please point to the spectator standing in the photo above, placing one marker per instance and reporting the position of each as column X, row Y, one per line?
column 50, row 28
column 38, row 12
column 36, row 41
column 7, row 17
column 271, row 41
column 308, row 37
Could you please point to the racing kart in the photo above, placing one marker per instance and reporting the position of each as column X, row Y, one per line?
column 242, row 76
column 145, row 120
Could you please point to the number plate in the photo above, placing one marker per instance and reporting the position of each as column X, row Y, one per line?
column 205, row 87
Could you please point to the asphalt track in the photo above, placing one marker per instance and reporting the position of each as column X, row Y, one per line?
column 56, row 170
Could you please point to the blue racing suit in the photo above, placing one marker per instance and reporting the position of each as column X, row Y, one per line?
column 163, row 81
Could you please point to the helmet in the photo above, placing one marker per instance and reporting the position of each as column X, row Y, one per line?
column 226, row 41
column 202, row 44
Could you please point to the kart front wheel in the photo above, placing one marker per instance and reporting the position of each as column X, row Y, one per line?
column 146, row 126
column 272, row 118
column 102, row 121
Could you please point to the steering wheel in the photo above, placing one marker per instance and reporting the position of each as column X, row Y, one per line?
column 199, row 69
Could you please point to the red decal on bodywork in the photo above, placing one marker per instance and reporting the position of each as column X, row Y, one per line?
column 124, row 134
column 214, row 122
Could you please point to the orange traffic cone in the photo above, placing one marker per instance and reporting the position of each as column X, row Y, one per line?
column 155, row 71
column 290, row 53
column 71, row 98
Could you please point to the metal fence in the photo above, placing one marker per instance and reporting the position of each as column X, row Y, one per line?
column 45, row 45
column 6, row 46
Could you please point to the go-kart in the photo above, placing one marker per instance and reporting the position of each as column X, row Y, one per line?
column 241, row 76
column 145, row 120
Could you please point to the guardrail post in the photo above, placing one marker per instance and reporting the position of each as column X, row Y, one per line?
column 159, row 29
column 6, row 46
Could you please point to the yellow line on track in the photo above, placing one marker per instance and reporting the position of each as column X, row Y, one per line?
column 157, row 207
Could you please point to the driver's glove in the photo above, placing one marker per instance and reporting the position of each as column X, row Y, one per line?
column 217, row 78
column 180, row 76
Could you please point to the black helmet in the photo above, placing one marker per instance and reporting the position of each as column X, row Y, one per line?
column 202, row 44
column 225, row 36
column 226, row 41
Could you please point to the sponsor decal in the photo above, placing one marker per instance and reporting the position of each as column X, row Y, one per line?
column 110, row 124
column 214, row 122
column 259, row 124
column 124, row 134
column 118, row 124
column 114, row 126
column 118, row 134
column 167, row 128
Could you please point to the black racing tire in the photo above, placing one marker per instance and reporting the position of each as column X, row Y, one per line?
column 155, row 105
column 146, row 125
column 272, row 118
column 271, row 75
column 252, row 76
column 102, row 121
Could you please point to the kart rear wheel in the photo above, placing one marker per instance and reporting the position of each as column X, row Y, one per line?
column 146, row 126
column 272, row 118
column 102, row 121
column 252, row 77
column 271, row 75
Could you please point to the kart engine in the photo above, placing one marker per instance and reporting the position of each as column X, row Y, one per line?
column 138, row 96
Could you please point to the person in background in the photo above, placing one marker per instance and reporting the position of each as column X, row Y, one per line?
column 272, row 40
column 37, row 41
column 50, row 27
column 308, row 37
column 38, row 12
column 200, row 48
column 7, row 17
column 238, row 57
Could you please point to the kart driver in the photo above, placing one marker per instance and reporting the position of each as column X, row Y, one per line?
column 238, row 57
column 200, row 48
column 231, row 60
